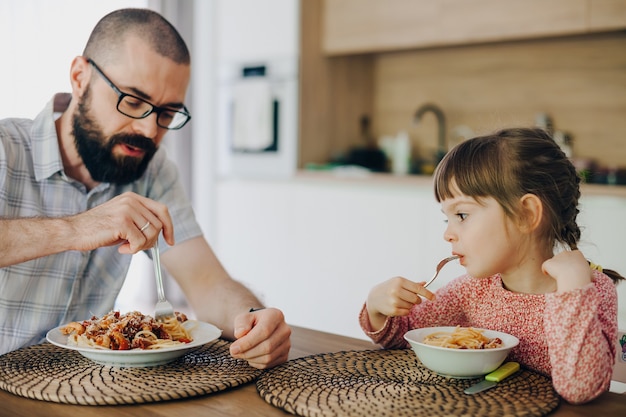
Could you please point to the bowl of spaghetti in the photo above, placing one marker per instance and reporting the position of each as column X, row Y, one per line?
column 460, row 352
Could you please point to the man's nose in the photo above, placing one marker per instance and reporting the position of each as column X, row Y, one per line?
column 147, row 126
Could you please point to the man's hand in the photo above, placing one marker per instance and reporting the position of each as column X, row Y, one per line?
column 263, row 338
column 130, row 220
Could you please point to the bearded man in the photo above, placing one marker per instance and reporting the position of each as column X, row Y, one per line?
column 85, row 185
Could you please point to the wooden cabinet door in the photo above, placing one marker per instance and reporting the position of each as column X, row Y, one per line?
column 607, row 15
column 353, row 26
column 477, row 21
column 360, row 26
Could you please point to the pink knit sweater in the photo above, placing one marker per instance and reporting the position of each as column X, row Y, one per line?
column 569, row 336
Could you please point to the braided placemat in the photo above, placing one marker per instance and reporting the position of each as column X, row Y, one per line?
column 50, row 373
column 394, row 383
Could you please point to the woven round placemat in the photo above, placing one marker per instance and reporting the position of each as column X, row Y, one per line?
column 50, row 373
column 394, row 383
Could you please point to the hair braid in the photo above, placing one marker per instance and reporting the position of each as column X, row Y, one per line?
column 570, row 232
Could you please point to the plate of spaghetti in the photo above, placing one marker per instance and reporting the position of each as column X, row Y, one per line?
column 460, row 352
column 133, row 339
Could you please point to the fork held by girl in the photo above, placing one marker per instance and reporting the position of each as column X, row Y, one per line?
column 510, row 200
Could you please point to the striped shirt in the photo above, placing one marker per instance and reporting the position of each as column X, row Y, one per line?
column 44, row 293
column 569, row 336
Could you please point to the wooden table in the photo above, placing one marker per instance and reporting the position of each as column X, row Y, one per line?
column 245, row 401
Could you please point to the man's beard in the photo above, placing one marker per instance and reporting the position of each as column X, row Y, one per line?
column 97, row 152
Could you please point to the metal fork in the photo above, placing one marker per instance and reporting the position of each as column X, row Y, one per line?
column 163, row 308
column 439, row 266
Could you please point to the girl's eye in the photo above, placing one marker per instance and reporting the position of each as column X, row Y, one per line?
column 461, row 216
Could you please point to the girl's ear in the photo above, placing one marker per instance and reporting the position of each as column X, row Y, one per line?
column 531, row 212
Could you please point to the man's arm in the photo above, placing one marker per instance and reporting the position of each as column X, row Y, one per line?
column 116, row 222
column 30, row 238
column 262, row 336
column 213, row 295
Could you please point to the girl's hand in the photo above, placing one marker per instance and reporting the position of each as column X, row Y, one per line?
column 394, row 297
column 569, row 269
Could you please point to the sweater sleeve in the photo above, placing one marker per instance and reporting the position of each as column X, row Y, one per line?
column 581, row 329
column 445, row 310
column 390, row 336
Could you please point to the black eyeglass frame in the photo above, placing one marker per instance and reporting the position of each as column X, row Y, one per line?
column 153, row 109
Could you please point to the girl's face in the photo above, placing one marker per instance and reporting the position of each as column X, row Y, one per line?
column 481, row 234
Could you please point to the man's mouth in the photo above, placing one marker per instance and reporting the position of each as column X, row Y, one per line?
column 134, row 151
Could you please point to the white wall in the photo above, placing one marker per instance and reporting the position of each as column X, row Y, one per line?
column 252, row 30
column 38, row 40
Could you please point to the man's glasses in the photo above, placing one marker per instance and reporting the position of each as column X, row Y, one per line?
column 138, row 108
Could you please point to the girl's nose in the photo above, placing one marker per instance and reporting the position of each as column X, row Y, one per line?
column 448, row 236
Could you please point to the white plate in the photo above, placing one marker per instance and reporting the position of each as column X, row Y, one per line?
column 201, row 333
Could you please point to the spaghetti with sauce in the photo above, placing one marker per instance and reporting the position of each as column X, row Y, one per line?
column 463, row 338
column 132, row 330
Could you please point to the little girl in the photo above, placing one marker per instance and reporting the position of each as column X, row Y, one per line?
column 510, row 200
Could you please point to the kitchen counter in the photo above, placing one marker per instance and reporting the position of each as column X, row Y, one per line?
column 358, row 176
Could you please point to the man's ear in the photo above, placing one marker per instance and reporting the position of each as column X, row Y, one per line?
column 531, row 212
column 80, row 72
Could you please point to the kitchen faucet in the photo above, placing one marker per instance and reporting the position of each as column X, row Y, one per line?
column 442, row 147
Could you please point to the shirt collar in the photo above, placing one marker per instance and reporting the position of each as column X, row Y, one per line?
column 46, row 154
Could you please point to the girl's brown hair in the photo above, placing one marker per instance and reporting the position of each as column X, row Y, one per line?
column 511, row 163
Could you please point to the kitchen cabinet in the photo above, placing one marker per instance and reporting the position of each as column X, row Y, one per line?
column 314, row 245
column 607, row 15
column 314, row 249
column 364, row 26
